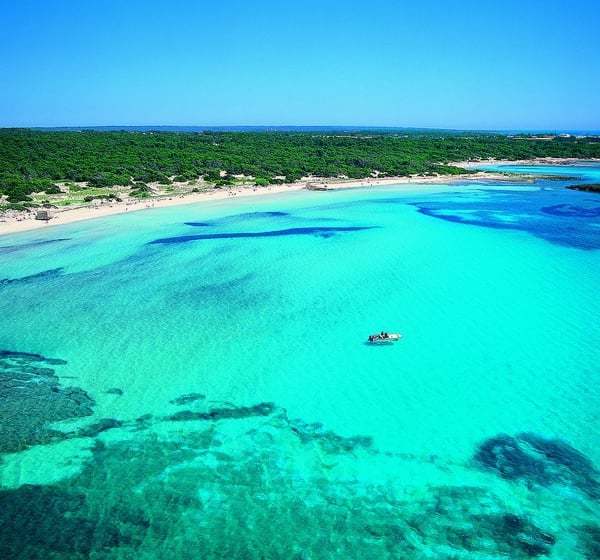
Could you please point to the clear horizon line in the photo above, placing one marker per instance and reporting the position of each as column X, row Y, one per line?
column 314, row 126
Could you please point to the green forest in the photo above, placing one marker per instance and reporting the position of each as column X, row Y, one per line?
column 34, row 160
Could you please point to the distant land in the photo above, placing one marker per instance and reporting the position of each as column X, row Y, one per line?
column 315, row 128
column 54, row 168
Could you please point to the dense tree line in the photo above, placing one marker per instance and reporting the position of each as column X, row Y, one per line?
column 33, row 161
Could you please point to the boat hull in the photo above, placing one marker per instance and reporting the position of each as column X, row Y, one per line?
column 389, row 339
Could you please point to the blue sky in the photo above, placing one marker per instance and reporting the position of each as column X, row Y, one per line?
column 484, row 64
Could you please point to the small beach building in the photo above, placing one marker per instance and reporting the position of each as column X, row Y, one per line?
column 42, row 215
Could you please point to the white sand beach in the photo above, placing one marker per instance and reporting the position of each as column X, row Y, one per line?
column 19, row 221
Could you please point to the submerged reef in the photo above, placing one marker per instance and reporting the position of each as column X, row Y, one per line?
column 188, row 398
column 221, row 480
column 589, row 537
column 324, row 232
column 473, row 522
column 52, row 273
column 545, row 215
column 31, row 398
column 254, row 485
column 571, row 211
column 45, row 522
column 240, row 218
column 262, row 409
column 594, row 188
column 328, row 440
column 5, row 249
column 539, row 460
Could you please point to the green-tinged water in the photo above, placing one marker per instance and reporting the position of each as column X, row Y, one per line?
column 194, row 382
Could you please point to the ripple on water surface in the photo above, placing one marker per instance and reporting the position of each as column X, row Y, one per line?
column 215, row 399
column 249, row 481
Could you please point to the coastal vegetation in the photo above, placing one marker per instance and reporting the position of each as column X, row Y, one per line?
column 110, row 196
column 58, row 162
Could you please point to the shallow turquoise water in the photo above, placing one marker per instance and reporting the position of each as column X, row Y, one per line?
column 242, row 303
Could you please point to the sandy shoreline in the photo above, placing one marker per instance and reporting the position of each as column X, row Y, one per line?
column 20, row 223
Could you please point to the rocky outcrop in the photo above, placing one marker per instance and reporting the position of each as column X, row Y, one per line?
column 539, row 460
column 188, row 398
column 31, row 398
column 585, row 188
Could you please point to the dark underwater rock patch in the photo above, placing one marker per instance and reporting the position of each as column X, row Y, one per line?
column 23, row 246
column 31, row 398
column 52, row 273
column 211, row 492
column 571, row 211
column 519, row 533
column 329, row 441
column 512, row 535
column 96, row 511
column 188, row 398
column 473, row 521
column 324, row 232
column 37, row 522
column 31, row 358
column 149, row 497
column 589, row 539
column 239, row 218
column 542, row 461
column 264, row 214
column 33, row 522
column 594, row 188
column 114, row 391
column 92, row 430
column 544, row 214
column 225, row 413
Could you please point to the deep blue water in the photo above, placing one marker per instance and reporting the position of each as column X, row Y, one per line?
column 568, row 218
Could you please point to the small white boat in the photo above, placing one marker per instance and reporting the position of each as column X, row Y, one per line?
column 384, row 338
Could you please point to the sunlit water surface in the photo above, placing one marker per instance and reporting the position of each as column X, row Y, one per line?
column 193, row 382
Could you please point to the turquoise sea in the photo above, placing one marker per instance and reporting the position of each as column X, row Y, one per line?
column 193, row 382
